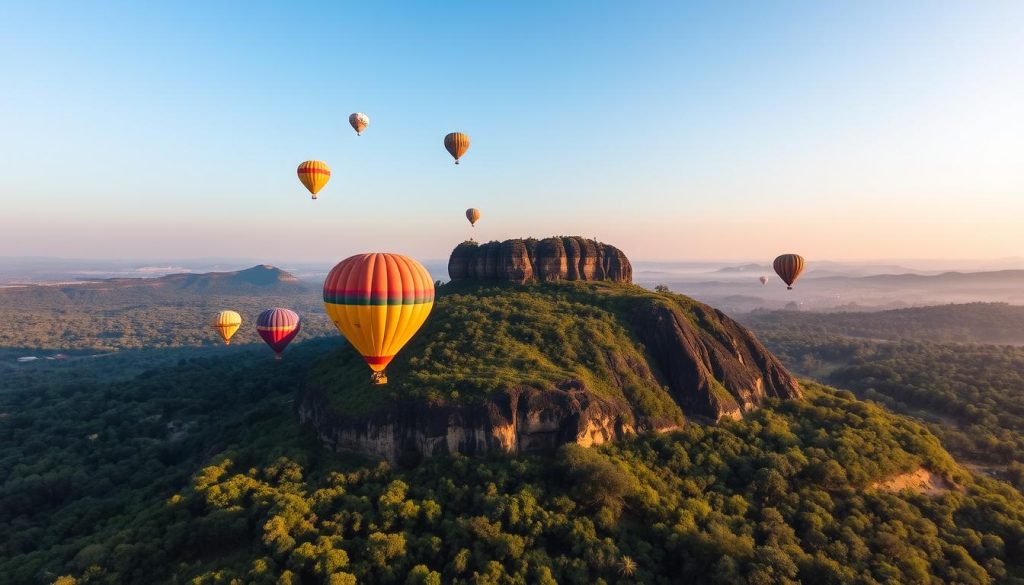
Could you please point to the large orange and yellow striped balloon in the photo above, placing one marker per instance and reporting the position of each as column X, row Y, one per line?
column 226, row 323
column 457, row 144
column 789, row 267
column 314, row 174
column 378, row 301
column 473, row 215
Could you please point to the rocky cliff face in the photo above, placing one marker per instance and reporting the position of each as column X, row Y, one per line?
column 515, row 420
column 547, row 260
column 713, row 366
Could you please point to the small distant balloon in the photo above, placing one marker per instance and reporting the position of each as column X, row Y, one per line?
column 473, row 215
column 226, row 323
column 278, row 327
column 764, row 280
column 314, row 174
column 457, row 144
column 359, row 122
column 789, row 267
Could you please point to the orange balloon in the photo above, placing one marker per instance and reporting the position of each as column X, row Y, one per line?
column 473, row 215
column 457, row 144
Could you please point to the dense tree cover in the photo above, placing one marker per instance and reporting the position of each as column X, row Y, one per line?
column 85, row 447
column 197, row 472
column 781, row 497
column 190, row 468
column 119, row 320
column 972, row 395
column 971, row 322
column 481, row 338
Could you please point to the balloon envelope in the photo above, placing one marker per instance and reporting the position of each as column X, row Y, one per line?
column 789, row 267
column 764, row 280
column 226, row 323
column 378, row 301
column 278, row 327
column 473, row 215
column 314, row 174
column 359, row 122
column 457, row 144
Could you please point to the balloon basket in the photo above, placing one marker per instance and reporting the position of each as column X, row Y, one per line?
column 277, row 357
column 378, row 378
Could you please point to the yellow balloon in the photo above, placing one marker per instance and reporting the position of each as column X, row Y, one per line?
column 226, row 323
column 314, row 174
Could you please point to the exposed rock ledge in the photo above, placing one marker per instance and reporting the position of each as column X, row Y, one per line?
column 518, row 420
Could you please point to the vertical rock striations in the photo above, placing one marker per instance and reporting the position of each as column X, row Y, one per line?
column 547, row 260
column 715, row 368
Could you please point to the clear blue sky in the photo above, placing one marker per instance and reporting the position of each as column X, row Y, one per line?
column 710, row 130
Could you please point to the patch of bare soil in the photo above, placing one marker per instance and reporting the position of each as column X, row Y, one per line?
column 920, row 481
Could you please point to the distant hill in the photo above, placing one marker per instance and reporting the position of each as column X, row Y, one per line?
column 262, row 280
column 263, row 277
column 745, row 268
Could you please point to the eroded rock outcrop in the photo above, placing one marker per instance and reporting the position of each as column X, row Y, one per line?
column 547, row 260
column 516, row 420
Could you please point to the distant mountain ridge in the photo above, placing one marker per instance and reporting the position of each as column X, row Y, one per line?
column 258, row 280
column 262, row 275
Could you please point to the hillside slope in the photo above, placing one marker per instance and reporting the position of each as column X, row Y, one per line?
column 520, row 368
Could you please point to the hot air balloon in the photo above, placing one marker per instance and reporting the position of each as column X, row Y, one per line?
column 359, row 122
column 314, row 174
column 278, row 327
column 457, row 144
column 764, row 280
column 789, row 267
column 473, row 215
column 226, row 323
column 378, row 301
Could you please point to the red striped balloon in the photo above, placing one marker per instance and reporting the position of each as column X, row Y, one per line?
column 278, row 327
